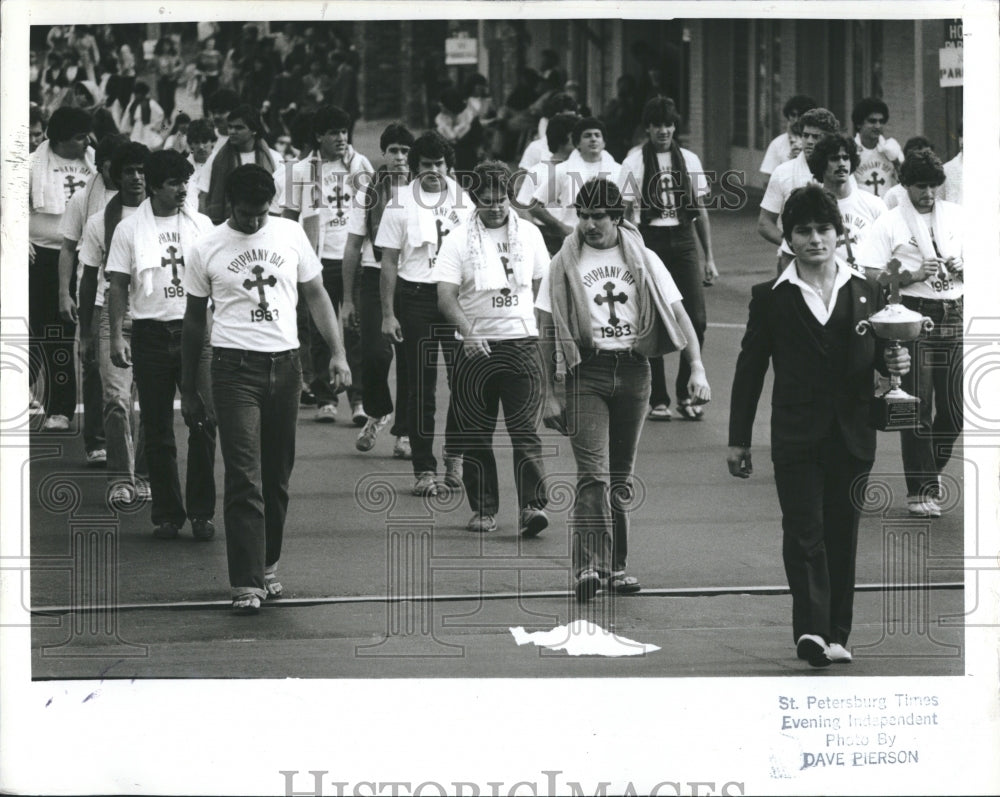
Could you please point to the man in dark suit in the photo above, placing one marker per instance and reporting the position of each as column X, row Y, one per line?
column 822, row 442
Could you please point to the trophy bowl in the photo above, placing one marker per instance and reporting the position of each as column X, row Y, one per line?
column 896, row 322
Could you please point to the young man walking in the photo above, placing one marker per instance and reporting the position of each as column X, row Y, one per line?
column 487, row 273
column 146, row 264
column 362, row 273
column 607, row 304
column 822, row 442
column 664, row 186
column 323, row 190
column 253, row 268
column 410, row 236
column 880, row 157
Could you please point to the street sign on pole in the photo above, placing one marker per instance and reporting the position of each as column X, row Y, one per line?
column 461, row 50
column 950, row 66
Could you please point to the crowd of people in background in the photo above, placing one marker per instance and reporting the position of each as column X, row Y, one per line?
column 506, row 221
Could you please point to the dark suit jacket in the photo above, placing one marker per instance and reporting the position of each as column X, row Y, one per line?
column 807, row 396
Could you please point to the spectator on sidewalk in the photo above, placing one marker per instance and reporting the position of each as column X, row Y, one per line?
column 780, row 150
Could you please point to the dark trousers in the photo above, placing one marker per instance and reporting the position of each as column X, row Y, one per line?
column 257, row 402
column 819, row 491
column 606, row 399
column 156, row 367
column 425, row 332
column 51, row 339
column 166, row 91
column 333, row 281
column 377, row 356
column 935, row 377
column 511, row 376
column 676, row 247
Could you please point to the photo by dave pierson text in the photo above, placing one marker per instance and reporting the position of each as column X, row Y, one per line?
column 817, row 732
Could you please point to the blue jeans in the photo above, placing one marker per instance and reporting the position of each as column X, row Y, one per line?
column 257, row 404
column 676, row 247
column 935, row 377
column 511, row 376
column 607, row 396
column 156, row 368
column 377, row 356
column 425, row 330
column 122, row 430
column 51, row 339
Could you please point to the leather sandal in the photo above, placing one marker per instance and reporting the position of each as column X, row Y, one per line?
column 689, row 411
column 272, row 585
column 623, row 584
column 587, row 584
column 247, row 603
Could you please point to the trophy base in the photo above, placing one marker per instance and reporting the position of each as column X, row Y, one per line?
column 894, row 411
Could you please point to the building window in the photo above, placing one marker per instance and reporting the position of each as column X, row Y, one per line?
column 767, row 68
column 741, row 83
column 867, row 58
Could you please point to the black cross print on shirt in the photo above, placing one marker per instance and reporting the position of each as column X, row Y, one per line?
column 666, row 190
column 338, row 196
column 874, row 181
column 611, row 299
column 259, row 284
column 71, row 185
column 173, row 261
column 509, row 272
column 442, row 232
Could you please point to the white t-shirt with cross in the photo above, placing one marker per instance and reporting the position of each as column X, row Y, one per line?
column 611, row 295
column 634, row 172
column 339, row 187
column 416, row 263
column 504, row 314
column 68, row 174
column 92, row 250
column 253, row 281
column 357, row 224
column 167, row 301
column 875, row 173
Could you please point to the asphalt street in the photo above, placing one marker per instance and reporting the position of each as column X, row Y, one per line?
column 383, row 584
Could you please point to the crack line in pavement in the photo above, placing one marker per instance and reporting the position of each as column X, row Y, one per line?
column 679, row 592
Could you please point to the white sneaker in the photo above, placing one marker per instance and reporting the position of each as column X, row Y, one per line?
column 402, row 450
column 97, row 457
column 143, row 492
column 812, row 648
column 358, row 415
column 327, row 414
column 56, row 423
column 837, row 653
column 121, row 494
column 367, row 436
column 924, row 508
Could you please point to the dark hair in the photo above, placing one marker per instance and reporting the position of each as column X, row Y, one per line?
column 588, row 123
column 810, row 204
column 800, row 103
column 821, row 118
column 222, row 101
column 200, row 131
column 166, row 164
column 917, row 142
column 660, row 111
column 452, row 100
column 600, row 194
column 473, row 80
column 430, row 145
column 248, row 114
column 921, row 166
column 251, row 184
column 129, row 152
column 867, row 106
column 181, row 119
column 330, row 117
column 395, row 133
column 67, row 122
column 105, row 149
column 827, row 147
column 35, row 115
column 490, row 174
column 559, row 129
column 559, row 102
column 140, row 87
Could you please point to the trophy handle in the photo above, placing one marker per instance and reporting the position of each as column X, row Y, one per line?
column 864, row 325
column 926, row 324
